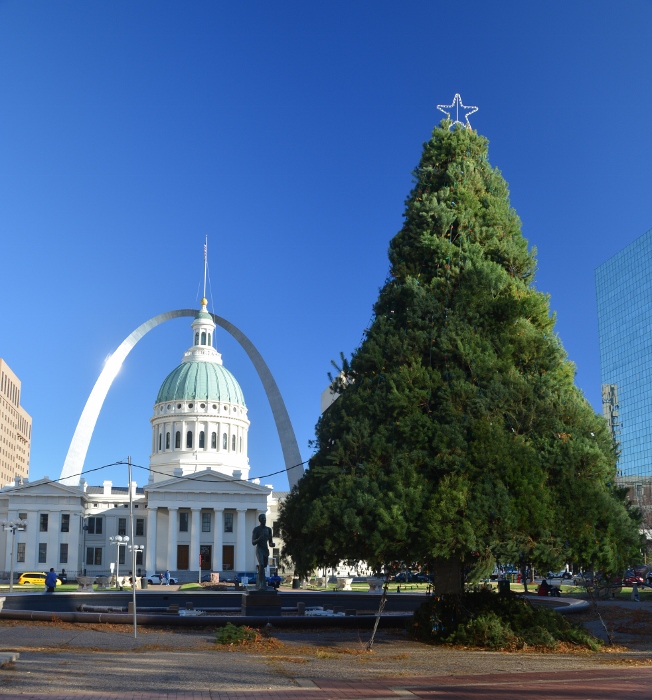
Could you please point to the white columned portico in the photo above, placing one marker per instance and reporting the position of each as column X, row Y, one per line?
column 217, row 538
column 173, row 526
column 241, row 541
column 195, row 535
column 150, row 552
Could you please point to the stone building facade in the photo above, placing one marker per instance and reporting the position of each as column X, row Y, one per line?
column 15, row 428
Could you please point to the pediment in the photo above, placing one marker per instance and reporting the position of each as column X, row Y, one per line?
column 43, row 487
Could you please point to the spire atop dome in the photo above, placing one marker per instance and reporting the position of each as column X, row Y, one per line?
column 204, row 301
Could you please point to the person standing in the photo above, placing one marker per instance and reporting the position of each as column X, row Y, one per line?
column 51, row 581
column 167, row 577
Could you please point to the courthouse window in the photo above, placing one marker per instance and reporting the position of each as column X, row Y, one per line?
column 183, row 522
column 20, row 552
column 93, row 556
column 43, row 522
column 214, row 441
column 228, row 522
column 63, row 553
column 122, row 526
column 94, row 526
column 205, row 522
column 189, row 438
column 65, row 522
column 140, row 527
column 201, row 439
column 42, row 552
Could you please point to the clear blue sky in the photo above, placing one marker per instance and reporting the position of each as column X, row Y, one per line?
column 287, row 132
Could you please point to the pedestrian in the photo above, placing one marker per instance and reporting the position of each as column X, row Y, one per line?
column 167, row 577
column 544, row 588
column 635, row 595
column 160, row 578
column 51, row 580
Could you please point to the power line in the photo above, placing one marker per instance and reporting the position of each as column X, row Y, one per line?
column 154, row 471
column 190, row 478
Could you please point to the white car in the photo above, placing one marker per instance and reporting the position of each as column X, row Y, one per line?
column 153, row 579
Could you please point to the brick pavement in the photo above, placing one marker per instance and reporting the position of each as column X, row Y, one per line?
column 613, row 683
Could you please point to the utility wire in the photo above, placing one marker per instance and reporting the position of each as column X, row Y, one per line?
column 154, row 471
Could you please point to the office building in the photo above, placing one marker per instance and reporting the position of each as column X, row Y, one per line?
column 15, row 428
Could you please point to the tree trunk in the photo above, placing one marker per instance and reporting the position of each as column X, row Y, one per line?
column 448, row 576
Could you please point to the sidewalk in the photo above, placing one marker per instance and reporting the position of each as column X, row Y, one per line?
column 613, row 684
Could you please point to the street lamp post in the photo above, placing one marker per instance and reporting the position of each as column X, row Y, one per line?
column 120, row 541
column 13, row 526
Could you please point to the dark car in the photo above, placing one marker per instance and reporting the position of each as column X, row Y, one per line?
column 410, row 577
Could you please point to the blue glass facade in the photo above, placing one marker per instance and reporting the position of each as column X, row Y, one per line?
column 624, row 295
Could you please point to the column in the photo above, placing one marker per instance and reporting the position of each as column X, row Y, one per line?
column 150, row 551
column 218, row 519
column 173, row 527
column 195, row 534
column 241, row 541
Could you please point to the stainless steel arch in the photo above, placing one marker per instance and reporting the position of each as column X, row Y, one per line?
column 81, row 439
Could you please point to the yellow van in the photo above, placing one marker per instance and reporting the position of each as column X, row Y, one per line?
column 35, row 577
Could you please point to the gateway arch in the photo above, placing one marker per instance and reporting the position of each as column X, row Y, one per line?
column 74, row 463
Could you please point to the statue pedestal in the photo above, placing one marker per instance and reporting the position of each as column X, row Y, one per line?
column 261, row 603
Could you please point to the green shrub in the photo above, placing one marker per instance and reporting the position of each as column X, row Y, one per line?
column 232, row 634
column 486, row 619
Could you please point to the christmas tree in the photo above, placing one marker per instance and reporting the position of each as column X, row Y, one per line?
column 459, row 435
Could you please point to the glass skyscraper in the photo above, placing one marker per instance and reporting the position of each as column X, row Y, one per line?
column 624, row 294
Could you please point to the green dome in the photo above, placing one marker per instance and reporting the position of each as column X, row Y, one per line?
column 200, row 380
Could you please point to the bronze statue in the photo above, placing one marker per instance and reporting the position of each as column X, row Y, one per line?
column 260, row 538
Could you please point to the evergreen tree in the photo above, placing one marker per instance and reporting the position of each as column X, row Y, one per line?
column 459, row 433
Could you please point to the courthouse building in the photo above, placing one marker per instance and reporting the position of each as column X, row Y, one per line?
column 197, row 510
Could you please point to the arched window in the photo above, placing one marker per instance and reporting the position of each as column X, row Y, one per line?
column 197, row 338
column 203, row 338
column 214, row 441
column 167, row 441
column 224, row 443
column 189, row 438
column 201, row 440
column 177, row 440
column 160, row 441
column 209, row 339
column 233, row 443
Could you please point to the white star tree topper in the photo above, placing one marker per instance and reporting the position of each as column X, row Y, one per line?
column 457, row 105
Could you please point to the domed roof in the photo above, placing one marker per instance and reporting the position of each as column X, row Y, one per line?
column 201, row 380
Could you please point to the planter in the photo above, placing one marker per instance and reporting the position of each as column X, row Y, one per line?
column 376, row 585
column 344, row 583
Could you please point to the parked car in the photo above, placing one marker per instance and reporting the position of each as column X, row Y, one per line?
column 405, row 577
column 411, row 577
column 35, row 577
column 631, row 577
column 155, row 578
column 249, row 575
column 566, row 575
